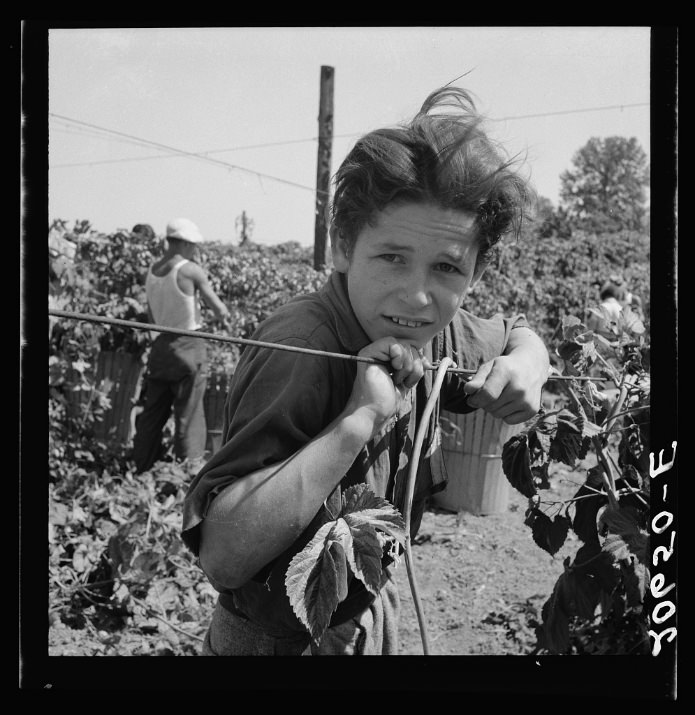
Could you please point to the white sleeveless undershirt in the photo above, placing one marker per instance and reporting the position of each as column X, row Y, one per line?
column 170, row 306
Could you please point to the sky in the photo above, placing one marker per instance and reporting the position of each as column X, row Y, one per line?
column 150, row 124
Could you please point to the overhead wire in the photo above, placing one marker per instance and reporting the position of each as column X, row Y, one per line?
column 205, row 155
column 183, row 152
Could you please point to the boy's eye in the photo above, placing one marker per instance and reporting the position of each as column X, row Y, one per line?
column 390, row 257
column 447, row 268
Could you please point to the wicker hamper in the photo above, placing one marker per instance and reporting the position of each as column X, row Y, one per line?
column 472, row 447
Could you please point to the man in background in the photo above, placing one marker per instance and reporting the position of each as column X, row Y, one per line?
column 176, row 375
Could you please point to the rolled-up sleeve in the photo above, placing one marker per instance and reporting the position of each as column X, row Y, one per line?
column 278, row 402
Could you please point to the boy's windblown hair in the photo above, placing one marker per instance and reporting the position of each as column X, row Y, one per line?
column 442, row 156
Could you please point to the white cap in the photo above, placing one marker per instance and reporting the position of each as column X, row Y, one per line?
column 185, row 230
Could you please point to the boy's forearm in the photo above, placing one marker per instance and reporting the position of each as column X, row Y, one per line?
column 256, row 518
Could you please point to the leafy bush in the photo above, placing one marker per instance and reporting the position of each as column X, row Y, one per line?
column 597, row 605
column 549, row 278
column 116, row 558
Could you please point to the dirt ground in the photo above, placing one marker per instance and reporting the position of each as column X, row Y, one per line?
column 481, row 581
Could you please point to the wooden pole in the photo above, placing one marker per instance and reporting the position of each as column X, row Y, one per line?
column 323, row 166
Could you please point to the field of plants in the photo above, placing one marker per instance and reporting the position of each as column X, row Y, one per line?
column 122, row 583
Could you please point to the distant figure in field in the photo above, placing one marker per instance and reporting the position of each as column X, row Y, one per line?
column 143, row 230
column 176, row 374
column 612, row 298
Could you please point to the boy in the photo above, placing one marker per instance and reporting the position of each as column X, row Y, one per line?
column 416, row 212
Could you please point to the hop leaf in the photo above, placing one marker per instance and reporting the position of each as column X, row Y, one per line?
column 567, row 349
column 582, row 595
column 593, row 562
column 516, row 464
column 365, row 556
column 569, row 443
column 361, row 506
column 585, row 513
column 636, row 581
column 549, row 534
column 631, row 322
column 539, row 444
column 625, row 536
column 572, row 327
column 317, row 578
column 553, row 634
column 617, row 548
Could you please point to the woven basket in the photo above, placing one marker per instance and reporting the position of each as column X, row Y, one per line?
column 472, row 447
column 118, row 374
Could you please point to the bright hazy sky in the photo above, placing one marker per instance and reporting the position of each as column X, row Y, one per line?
column 129, row 106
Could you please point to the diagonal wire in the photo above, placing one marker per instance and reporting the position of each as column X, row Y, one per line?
column 258, row 343
column 189, row 154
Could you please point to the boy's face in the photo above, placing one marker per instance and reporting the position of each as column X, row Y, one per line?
column 407, row 276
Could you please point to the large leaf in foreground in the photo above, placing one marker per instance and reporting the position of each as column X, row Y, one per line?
column 317, row 578
column 365, row 556
column 362, row 506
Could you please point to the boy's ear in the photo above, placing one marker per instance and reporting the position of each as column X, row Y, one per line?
column 339, row 250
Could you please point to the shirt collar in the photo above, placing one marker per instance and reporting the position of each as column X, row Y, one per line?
column 335, row 296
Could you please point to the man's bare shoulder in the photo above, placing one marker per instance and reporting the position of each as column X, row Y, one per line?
column 193, row 271
column 161, row 267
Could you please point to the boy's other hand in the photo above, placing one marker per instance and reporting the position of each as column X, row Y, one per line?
column 507, row 388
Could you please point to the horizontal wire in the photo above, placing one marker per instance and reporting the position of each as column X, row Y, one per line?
column 258, row 343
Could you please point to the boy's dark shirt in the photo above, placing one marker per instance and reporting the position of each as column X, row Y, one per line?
column 280, row 400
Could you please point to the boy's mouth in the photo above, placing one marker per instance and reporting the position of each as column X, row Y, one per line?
column 406, row 322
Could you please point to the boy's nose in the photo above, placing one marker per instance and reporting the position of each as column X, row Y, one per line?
column 416, row 293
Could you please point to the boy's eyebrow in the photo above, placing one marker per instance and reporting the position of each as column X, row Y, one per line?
column 391, row 246
column 453, row 256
